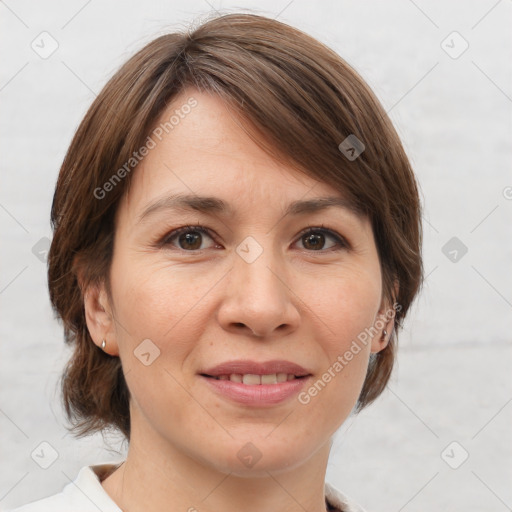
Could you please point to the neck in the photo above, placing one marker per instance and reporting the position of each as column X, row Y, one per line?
column 159, row 477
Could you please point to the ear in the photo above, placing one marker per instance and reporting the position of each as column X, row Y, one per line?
column 99, row 318
column 385, row 321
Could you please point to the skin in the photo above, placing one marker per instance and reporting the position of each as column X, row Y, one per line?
column 204, row 307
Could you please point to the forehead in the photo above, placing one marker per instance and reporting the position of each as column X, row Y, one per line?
column 204, row 151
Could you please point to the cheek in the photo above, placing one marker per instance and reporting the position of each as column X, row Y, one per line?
column 154, row 302
column 346, row 347
column 349, row 304
column 348, row 309
column 152, row 297
column 163, row 303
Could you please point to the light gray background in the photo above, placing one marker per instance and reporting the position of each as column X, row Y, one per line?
column 452, row 381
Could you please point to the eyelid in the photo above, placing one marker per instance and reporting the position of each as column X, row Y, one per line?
column 165, row 240
column 342, row 242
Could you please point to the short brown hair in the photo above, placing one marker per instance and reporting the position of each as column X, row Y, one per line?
column 300, row 99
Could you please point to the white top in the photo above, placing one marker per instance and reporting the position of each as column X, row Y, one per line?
column 86, row 494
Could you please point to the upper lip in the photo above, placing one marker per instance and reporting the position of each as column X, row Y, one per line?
column 246, row 366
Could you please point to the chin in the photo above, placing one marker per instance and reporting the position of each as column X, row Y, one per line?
column 260, row 456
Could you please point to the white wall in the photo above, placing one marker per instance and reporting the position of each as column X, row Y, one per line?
column 454, row 115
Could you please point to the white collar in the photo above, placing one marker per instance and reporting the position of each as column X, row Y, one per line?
column 88, row 482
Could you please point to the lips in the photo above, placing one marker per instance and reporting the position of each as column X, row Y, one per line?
column 254, row 373
column 256, row 384
column 251, row 379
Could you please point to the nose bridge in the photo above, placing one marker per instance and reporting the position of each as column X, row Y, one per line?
column 258, row 296
column 256, row 266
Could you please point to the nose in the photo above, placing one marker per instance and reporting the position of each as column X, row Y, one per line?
column 258, row 300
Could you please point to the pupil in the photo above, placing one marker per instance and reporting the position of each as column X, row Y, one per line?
column 314, row 240
column 190, row 238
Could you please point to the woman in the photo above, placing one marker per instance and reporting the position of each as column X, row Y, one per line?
column 237, row 240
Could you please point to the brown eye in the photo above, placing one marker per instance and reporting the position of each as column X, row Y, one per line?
column 316, row 239
column 189, row 238
column 313, row 241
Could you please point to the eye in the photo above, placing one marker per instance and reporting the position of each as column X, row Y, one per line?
column 188, row 238
column 312, row 239
column 315, row 238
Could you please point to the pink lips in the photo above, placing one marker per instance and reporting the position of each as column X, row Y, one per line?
column 245, row 366
column 258, row 394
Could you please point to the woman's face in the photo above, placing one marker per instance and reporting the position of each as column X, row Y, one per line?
column 253, row 285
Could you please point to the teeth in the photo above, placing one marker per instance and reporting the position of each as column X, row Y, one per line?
column 269, row 379
column 251, row 379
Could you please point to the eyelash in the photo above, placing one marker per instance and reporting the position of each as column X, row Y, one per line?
column 342, row 243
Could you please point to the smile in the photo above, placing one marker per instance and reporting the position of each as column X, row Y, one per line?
column 251, row 379
column 256, row 390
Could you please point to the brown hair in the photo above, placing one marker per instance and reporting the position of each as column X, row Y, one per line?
column 300, row 99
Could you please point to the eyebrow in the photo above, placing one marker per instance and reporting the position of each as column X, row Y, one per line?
column 215, row 205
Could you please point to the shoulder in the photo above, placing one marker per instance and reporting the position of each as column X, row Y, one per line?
column 84, row 494
column 339, row 501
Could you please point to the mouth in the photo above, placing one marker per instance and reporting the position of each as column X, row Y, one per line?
column 256, row 384
column 248, row 371
column 251, row 379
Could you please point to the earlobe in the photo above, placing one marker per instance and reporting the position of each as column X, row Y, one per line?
column 385, row 323
column 99, row 319
column 381, row 339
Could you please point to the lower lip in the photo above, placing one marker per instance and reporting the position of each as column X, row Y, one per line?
column 257, row 395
